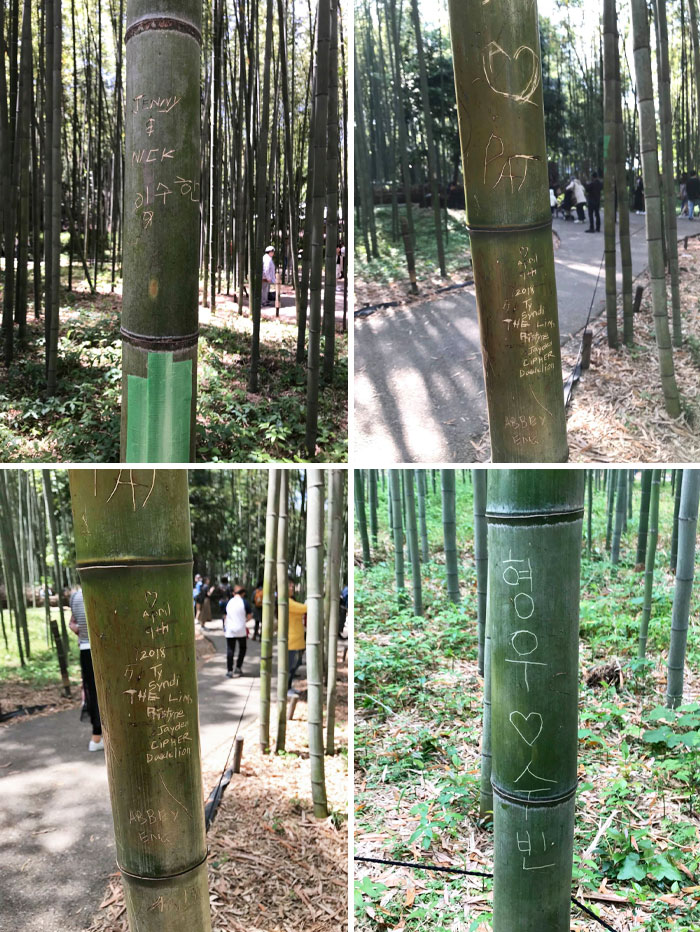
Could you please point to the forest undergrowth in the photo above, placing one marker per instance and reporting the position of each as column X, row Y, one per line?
column 418, row 725
column 80, row 423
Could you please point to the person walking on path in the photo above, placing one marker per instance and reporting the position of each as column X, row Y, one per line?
column 639, row 196
column 257, row 609
column 684, row 194
column 693, row 190
column 593, row 189
column 238, row 612
column 579, row 198
column 296, row 642
column 268, row 276
column 78, row 625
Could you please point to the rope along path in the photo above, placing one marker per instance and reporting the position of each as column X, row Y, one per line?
column 459, row 870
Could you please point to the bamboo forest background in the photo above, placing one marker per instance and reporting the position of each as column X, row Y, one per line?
column 406, row 121
column 60, row 342
column 420, row 757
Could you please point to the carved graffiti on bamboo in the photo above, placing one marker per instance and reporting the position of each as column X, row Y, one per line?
column 505, row 74
column 507, row 163
column 131, row 483
column 525, row 848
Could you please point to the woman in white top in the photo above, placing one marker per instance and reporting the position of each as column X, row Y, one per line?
column 576, row 187
column 238, row 612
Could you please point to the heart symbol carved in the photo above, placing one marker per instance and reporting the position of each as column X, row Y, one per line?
column 151, row 598
column 521, row 79
column 524, row 720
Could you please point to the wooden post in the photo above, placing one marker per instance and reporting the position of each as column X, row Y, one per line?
column 638, row 298
column 237, row 755
column 586, row 344
column 410, row 257
column 278, row 285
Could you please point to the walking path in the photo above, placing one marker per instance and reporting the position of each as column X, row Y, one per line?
column 57, row 846
column 419, row 388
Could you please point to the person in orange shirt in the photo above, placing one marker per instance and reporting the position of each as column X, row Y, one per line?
column 296, row 639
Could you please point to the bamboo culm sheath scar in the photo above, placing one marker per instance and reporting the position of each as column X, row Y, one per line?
column 535, row 522
column 498, row 84
column 134, row 556
column 161, row 232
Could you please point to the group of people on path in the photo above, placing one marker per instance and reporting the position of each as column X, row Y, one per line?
column 578, row 195
column 689, row 193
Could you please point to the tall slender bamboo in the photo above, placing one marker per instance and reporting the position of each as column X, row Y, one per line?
column 57, row 575
column 481, row 557
column 397, row 529
column 620, row 510
column 534, row 537
column 486, row 790
column 337, row 480
column 688, row 521
column 498, row 81
column 361, row 515
column 424, row 550
column 373, row 526
column 412, row 536
column 589, row 510
column 643, row 518
column 610, row 141
column 449, row 530
column 314, row 639
column 652, row 538
column 678, row 474
column 282, row 609
column 268, row 606
column 652, row 199
column 134, row 556
column 161, row 231
column 623, row 206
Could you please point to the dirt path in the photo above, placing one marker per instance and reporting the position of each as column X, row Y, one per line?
column 57, row 847
column 419, row 388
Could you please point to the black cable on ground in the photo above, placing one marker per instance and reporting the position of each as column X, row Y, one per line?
column 459, row 870
column 217, row 793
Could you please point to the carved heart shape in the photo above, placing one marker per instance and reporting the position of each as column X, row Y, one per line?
column 516, row 77
column 524, row 720
column 151, row 598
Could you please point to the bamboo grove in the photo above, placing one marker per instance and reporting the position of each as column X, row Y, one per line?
column 537, row 537
column 263, row 125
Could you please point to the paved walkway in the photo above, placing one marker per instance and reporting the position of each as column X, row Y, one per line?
column 57, row 840
column 419, row 388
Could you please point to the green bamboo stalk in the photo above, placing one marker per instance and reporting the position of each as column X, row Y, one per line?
column 652, row 198
column 268, row 606
column 652, row 538
column 134, row 556
column 610, row 141
column 623, row 207
column 678, row 473
column 620, row 510
column 449, row 530
column 498, row 82
column 424, row 550
column 373, row 526
column 412, row 536
column 589, row 535
column 161, row 231
column 486, row 790
column 314, row 637
column 397, row 529
column 643, row 518
column 688, row 520
column 612, row 485
column 534, row 537
column 481, row 557
column 337, row 479
column 282, row 609
column 361, row 516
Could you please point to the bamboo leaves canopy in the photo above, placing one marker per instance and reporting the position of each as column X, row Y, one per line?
column 498, row 84
column 134, row 555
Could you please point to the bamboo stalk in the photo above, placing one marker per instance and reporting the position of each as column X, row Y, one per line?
column 134, row 556
column 282, row 610
column 314, row 636
column 481, row 557
column 652, row 537
column 268, row 606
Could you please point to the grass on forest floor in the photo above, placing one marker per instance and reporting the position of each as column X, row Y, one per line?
column 80, row 423
column 386, row 279
column 418, row 724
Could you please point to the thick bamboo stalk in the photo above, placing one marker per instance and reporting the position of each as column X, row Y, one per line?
column 449, row 530
column 652, row 199
column 134, row 555
column 161, row 231
column 337, row 478
column 314, row 639
column 481, row 557
column 412, row 536
column 643, row 518
column 685, row 572
column 534, row 538
column 486, row 790
column 268, row 606
column 498, row 81
column 652, row 538
column 610, row 151
column 282, row 609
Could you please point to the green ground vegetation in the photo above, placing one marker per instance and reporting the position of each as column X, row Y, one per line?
column 391, row 266
column 418, row 725
column 41, row 669
column 80, row 423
